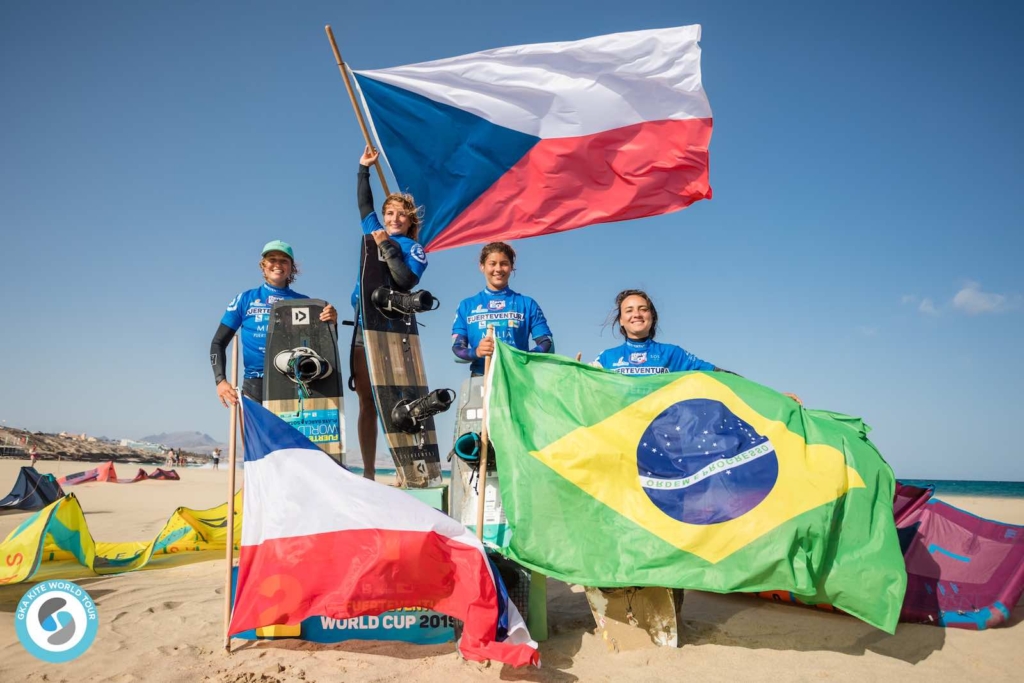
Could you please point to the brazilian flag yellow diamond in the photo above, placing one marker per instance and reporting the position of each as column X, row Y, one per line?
column 601, row 460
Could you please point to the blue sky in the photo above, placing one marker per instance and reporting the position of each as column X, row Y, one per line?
column 862, row 249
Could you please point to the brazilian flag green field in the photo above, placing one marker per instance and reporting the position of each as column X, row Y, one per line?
column 700, row 480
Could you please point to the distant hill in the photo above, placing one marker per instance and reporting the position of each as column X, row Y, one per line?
column 196, row 442
column 15, row 443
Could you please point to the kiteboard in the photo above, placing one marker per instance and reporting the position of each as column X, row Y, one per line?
column 636, row 618
column 465, row 459
column 301, row 376
column 391, row 339
column 527, row 589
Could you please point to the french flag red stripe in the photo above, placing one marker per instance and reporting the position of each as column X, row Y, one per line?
column 347, row 574
column 318, row 540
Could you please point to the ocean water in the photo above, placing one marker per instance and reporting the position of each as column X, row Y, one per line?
column 948, row 487
column 958, row 487
column 391, row 471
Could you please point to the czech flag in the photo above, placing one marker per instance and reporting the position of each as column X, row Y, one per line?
column 534, row 139
column 318, row 540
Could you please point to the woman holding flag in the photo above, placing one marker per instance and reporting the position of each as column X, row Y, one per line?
column 515, row 317
column 637, row 320
column 407, row 261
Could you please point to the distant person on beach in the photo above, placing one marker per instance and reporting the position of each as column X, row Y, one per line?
column 396, row 237
column 33, row 456
column 169, row 460
column 216, row 458
column 516, row 318
column 250, row 312
column 637, row 321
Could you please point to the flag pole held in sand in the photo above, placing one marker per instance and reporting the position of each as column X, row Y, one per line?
column 231, row 495
column 484, row 445
column 355, row 105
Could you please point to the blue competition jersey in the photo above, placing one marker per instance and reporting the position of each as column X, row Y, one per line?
column 412, row 253
column 250, row 311
column 516, row 318
column 650, row 358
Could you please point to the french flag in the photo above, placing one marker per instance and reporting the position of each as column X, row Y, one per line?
column 318, row 540
column 534, row 139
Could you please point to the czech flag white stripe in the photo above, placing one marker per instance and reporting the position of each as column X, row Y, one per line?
column 569, row 89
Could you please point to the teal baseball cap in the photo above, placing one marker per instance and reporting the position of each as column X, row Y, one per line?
column 278, row 245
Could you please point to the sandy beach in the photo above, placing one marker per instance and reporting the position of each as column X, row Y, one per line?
column 166, row 625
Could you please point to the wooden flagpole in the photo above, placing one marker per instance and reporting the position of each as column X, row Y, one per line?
column 484, row 447
column 355, row 106
column 232, row 443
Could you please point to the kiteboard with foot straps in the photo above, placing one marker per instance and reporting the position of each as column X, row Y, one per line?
column 391, row 339
column 302, row 378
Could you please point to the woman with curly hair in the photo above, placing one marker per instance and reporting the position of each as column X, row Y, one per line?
column 406, row 260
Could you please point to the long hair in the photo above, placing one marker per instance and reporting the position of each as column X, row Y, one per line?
column 616, row 313
column 408, row 204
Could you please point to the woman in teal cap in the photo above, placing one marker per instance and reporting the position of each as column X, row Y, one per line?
column 250, row 312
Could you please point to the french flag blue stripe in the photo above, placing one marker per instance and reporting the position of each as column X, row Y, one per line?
column 266, row 433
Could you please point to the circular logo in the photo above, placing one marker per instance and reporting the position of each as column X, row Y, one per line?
column 56, row 621
column 701, row 464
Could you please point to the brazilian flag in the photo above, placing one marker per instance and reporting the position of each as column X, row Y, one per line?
column 699, row 480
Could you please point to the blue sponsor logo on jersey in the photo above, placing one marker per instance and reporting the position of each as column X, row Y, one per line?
column 496, row 317
column 638, row 358
column 640, row 371
column 496, row 305
column 417, row 253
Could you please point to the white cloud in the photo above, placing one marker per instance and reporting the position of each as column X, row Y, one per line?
column 973, row 301
column 928, row 307
column 867, row 330
column 908, row 299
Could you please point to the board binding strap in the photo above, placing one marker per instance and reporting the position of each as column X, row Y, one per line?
column 301, row 378
column 391, row 341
